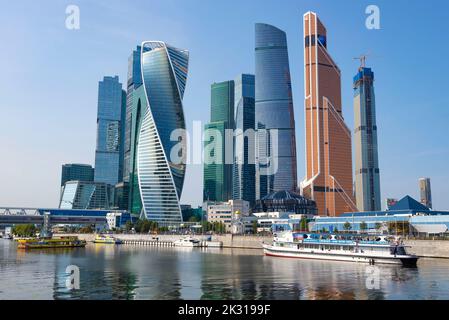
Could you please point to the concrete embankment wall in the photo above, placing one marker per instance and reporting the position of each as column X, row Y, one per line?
column 246, row 242
column 422, row 248
column 228, row 240
column 428, row 248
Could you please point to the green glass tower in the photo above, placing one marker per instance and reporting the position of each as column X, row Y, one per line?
column 138, row 110
column 218, row 164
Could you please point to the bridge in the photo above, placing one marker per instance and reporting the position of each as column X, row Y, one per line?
column 49, row 217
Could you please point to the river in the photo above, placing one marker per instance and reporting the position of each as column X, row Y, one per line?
column 128, row 272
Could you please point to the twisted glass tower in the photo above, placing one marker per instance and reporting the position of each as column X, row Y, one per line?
column 275, row 122
column 161, row 150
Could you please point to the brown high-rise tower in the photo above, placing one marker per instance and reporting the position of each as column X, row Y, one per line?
column 328, row 178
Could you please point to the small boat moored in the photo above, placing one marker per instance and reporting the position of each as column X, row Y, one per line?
column 106, row 239
column 187, row 242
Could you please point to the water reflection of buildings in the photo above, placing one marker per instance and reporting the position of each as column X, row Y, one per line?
column 127, row 272
column 102, row 276
column 156, row 271
column 247, row 278
column 324, row 280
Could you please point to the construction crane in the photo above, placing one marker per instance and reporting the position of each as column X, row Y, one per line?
column 362, row 59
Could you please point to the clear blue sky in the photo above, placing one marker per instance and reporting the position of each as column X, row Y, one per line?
column 49, row 79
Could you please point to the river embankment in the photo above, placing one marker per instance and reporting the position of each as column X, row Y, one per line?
column 422, row 248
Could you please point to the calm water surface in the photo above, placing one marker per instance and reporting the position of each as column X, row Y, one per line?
column 128, row 272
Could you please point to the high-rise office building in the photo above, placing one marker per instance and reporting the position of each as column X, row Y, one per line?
column 218, row 166
column 134, row 81
column 214, row 175
column 139, row 109
column 275, row 123
column 367, row 176
column 75, row 171
column 110, row 131
column 425, row 192
column 328, row 178
column 86, row 195
column 160, row 158
column 244, row 169
column 121, row 196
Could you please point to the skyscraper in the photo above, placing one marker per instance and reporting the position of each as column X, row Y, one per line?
column 275, row 122
column 110, row 131
column 218, row 173
column 328, row 178
column 244, row 169
column 214, row 175
column 74, row 171
column 425, row 192
column 86, row 195
column 160, row 158
column 134, row 81
column 367, row 176
column 139, row 108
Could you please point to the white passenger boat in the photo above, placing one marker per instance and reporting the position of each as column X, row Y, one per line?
column 187, row 242
column 353, row 248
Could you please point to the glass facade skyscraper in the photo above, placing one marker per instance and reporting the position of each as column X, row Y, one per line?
column 218, row 175
column 244, row 169
column 86, row 195
column 134, row 81
column 425, row 192
column 160, row 158
column 275, row 123
column 110, row 132
column 367, row 176
column 139, row 108
column 74, row 171
column 214, row 174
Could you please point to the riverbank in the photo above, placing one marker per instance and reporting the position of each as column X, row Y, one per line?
column 422, row 248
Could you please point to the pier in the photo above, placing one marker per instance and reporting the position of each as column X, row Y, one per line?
column 165, row 243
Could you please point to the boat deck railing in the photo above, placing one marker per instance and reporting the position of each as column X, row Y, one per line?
column 329, row 241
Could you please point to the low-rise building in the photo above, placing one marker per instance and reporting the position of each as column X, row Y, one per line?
column 406, row 216
column 227, row 212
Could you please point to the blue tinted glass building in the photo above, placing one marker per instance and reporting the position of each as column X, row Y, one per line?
column 86, row 195
column 244, row 169
column 161, row 150
column 74, row 171
column 110, row 132
column 275, row 123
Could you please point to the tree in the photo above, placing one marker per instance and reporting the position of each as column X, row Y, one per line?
column 403, row 227
column 129, row 225
column 303, row 225
column 255, row 226
column 205, row 225
column 86, row 229
column 378, row 226
column 24, row 230
column 193, row 219
column 391, row 227
column 363, row 226
column 347, row 226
